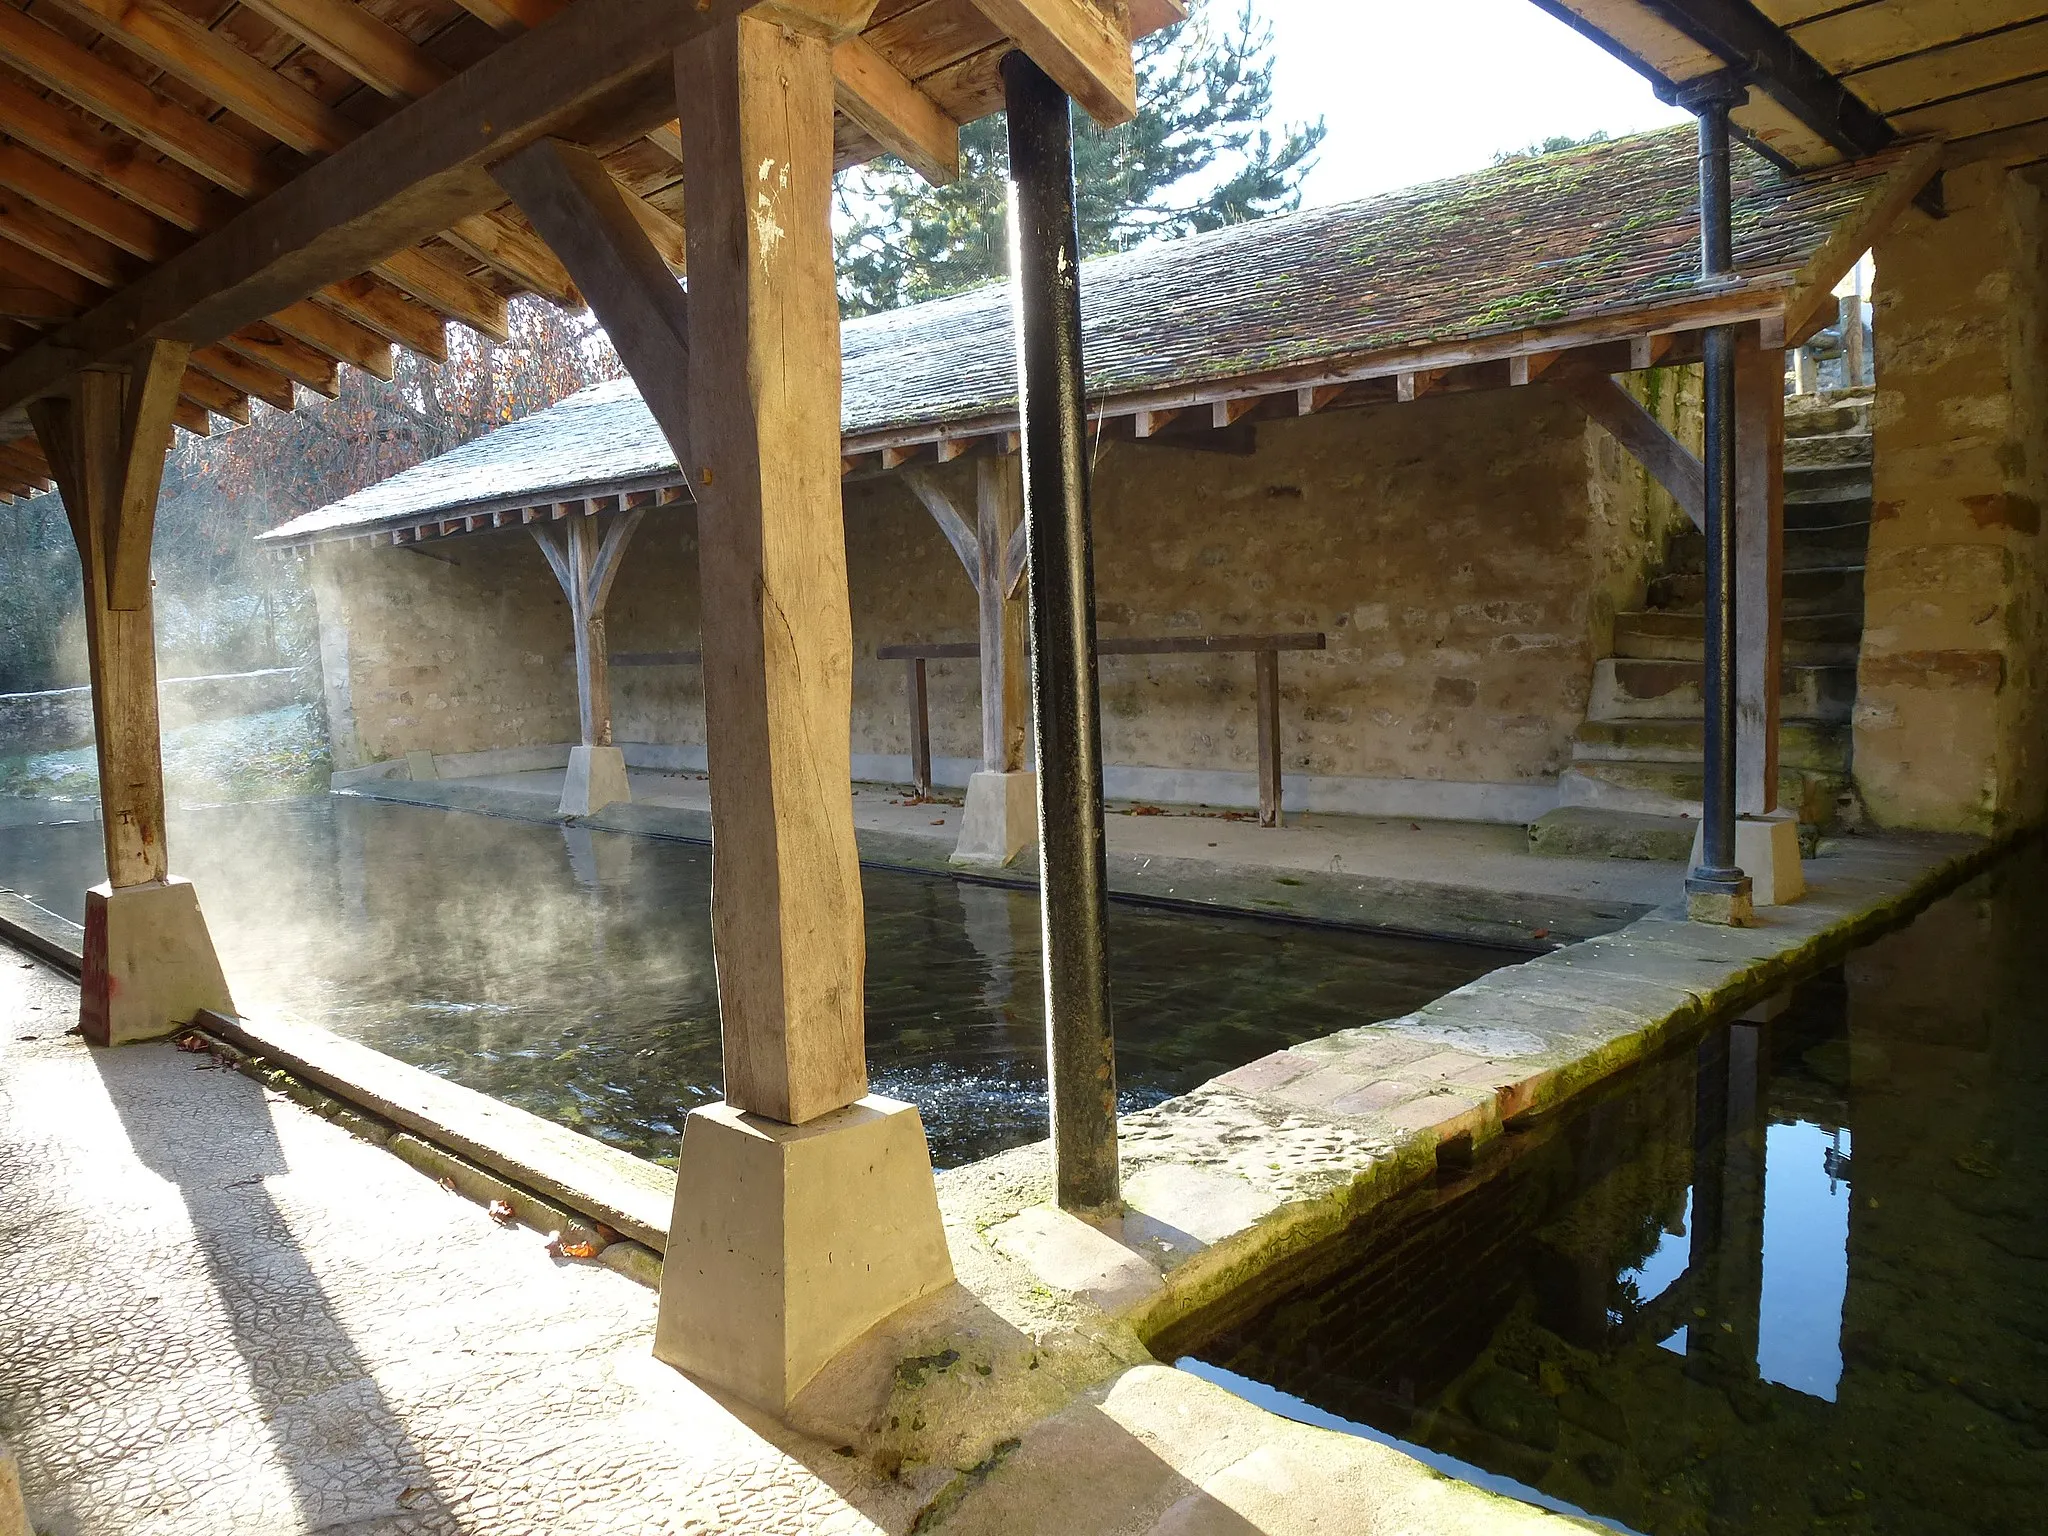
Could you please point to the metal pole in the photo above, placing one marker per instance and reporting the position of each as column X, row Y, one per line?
column 1065, row 716
column 1717, row 890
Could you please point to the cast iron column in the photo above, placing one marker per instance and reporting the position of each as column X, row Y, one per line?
column 1717, row 890
column 1045, row 267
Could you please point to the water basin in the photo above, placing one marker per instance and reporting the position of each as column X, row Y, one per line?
column 1793, row 1280
column 569, row 971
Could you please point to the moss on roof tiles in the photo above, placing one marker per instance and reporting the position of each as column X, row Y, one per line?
column 1598, row 230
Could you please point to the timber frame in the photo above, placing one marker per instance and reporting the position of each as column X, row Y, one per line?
column 296, row 186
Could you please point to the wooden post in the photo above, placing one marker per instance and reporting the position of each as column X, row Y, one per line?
column 106, row 447
column 756, row 102
column 149, row 963
column 585, row 567
column 920, row 729
column 1005, row 680
column 1760, row 565
column 1268, row 662
column 1850, row 310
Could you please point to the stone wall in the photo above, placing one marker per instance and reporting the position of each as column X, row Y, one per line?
column 1950, row 718
column 60, row 718
column 1464, row 555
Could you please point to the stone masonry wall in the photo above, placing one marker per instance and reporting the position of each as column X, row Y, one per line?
column 1464, row 555
column 1950, row 717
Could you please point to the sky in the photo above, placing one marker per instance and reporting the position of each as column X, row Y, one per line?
column 1417, row 89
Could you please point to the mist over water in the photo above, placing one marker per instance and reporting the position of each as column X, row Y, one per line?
column 570, row 972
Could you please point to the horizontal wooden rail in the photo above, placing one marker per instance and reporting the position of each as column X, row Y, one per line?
column 1265, row 648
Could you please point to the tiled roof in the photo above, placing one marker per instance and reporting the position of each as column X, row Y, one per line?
column 1610, row 229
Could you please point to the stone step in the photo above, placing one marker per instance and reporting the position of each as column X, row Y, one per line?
column 1630, row 688
column 1827, row 450
column 1806, row 549
column 1805, row 592
column 1833, row 482
column 1808, row 415
column 1674, row 789
column 1811, row 640
column 1835, row 512
column 1814, row 745
column 1590, row 832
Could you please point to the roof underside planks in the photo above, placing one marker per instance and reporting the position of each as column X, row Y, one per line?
column 1972, row 73
column 1573, row 264
column 138, row 131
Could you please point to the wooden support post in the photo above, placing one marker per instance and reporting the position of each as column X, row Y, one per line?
column 149, row 961
column 1005, row 680
column 1850, row 310
column 1760, row 571
column 920, row 728
column 1268, row 662
column 585, row 565
column 756, row 100
column 106, row 446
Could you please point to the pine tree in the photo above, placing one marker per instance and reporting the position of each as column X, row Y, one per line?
column 1201, row 153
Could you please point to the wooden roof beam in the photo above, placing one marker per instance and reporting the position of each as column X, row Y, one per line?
column 251, row 378
column 311, row 366
column 1084, row 45
column 439, row 286
column 339, row 335
column 604, row 68
column 873, row 93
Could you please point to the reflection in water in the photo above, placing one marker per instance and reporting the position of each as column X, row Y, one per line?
column 1792, row 1280
column 569, row 971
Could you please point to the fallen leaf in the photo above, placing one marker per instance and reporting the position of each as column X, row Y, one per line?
column 1145, row 810
column 449, row 1185
column 1540, row 933
column 1412, row 827
column 410, row 1494
column 938, row 821
column 192, row 1042
column 571, row 1247
column 24, row 1039
column 501, row 1213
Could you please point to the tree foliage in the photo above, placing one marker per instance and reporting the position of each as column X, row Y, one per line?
column 1201, row 153
column 224, row 602
column 1556, row 144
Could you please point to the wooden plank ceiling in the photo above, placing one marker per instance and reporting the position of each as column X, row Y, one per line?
column 1972, row 73
column 131, row 128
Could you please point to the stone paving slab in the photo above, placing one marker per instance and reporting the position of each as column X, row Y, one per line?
column 221, row 1314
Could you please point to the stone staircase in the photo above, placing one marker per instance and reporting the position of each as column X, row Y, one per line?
column 1639, row 751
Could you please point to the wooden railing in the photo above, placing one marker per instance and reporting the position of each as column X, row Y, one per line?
column 1264, row 649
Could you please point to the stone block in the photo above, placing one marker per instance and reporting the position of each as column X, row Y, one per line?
column 419, row 766
column 1000, row 819
column 789, row 1242
column 1766, row 850
column 1591, row 832
column 149, row 965
column 595, row 779
column 1069, row 1255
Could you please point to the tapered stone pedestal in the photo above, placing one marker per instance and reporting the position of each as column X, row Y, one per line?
column 596, row 779
column 1000, row 820
column 790, row 1241
column 149, row 964
column 1767, row 850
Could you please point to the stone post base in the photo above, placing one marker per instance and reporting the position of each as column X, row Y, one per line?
column 596, row 779
column 1767, row 850
column 1001, row 818
column 790, row 1241
column 149, row 963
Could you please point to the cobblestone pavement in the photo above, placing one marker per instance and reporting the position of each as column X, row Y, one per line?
column 221, row 1314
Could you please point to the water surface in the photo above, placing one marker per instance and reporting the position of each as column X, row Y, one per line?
column 1795, row 1280
column 569, row 971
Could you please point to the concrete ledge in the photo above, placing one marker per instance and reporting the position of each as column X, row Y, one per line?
column 42, row 933
column 582, row 1174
